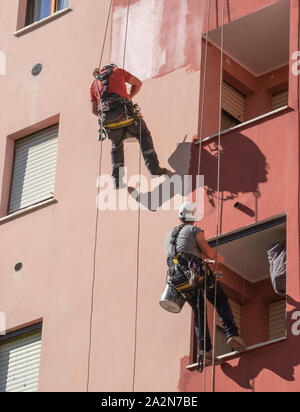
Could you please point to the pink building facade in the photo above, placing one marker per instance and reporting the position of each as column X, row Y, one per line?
column 91, row 281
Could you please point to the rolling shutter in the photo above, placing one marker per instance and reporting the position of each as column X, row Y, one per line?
column 233, row 102
column 34, row 169
column 19, row 363
column 280, row 99
column 277, row 320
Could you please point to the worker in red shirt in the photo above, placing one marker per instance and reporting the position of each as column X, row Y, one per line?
column 119, row 118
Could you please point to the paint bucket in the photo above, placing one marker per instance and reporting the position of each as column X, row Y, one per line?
column 172, row 300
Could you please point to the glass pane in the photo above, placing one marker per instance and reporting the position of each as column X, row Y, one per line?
column 45, row 10
column 41, row 9
column 63, row 4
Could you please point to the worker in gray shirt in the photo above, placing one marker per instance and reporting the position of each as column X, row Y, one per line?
column 186, row 245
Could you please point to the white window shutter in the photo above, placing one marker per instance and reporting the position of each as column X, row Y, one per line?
column 34, row 169
column 19, row 363
column 277, row 320
column 233, row 102
column 280, row 99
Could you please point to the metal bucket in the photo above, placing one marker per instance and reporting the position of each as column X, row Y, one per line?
column 172, row 300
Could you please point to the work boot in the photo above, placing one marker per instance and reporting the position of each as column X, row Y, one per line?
column 237, row 344
column 159, row 172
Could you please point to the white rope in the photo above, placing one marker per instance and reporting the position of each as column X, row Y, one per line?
column 218, row 198
column 138, row 222
column 137, row 263
column 126, row 34
column 202, row 97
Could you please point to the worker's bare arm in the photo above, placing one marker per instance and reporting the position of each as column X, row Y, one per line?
column 207, row 250
column 136, row 85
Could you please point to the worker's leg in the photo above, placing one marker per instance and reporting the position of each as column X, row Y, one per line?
column 224, row 310
column 117, row 152
column 191, row 298
column 141, row 132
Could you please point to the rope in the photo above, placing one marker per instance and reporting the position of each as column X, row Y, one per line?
column 126, row 34
column 137, row 263
column 202, row 97
column 96, row 222
column 138, row 222
column 106, row 31
column 218, row 198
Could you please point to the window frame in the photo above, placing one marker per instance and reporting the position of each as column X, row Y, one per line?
column 14, row 337
column 22, row 331
column 7, row 172
column 38, row 202
column 29, row 19
column 24, row 26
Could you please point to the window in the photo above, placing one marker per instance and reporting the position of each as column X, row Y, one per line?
column 40, row 9
column 34, row 169
column 255, row 289
column 233, row 105
column 251, row 75
column 277, row 319
column 280, row 99
column 20, row 360
column 228, row 121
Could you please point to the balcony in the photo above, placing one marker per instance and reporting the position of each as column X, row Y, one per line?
column 255, row 69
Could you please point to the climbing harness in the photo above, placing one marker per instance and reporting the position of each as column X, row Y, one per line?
column 187, row 272
column 114, row 111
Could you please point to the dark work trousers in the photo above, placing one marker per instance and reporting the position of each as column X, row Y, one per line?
column 140, row 131
column 223, row 309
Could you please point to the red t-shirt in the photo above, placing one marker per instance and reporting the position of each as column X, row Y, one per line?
column 116, row 84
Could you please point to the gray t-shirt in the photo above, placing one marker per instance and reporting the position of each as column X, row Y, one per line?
column 186, row 241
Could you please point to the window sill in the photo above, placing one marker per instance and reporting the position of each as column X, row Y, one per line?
column 233, row 355
column 42, row 22
column 248, row 123
column 27, row 210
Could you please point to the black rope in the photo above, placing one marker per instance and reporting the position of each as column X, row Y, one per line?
column 201, row 353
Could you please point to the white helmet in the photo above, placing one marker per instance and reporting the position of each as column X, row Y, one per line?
column 187, row 212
